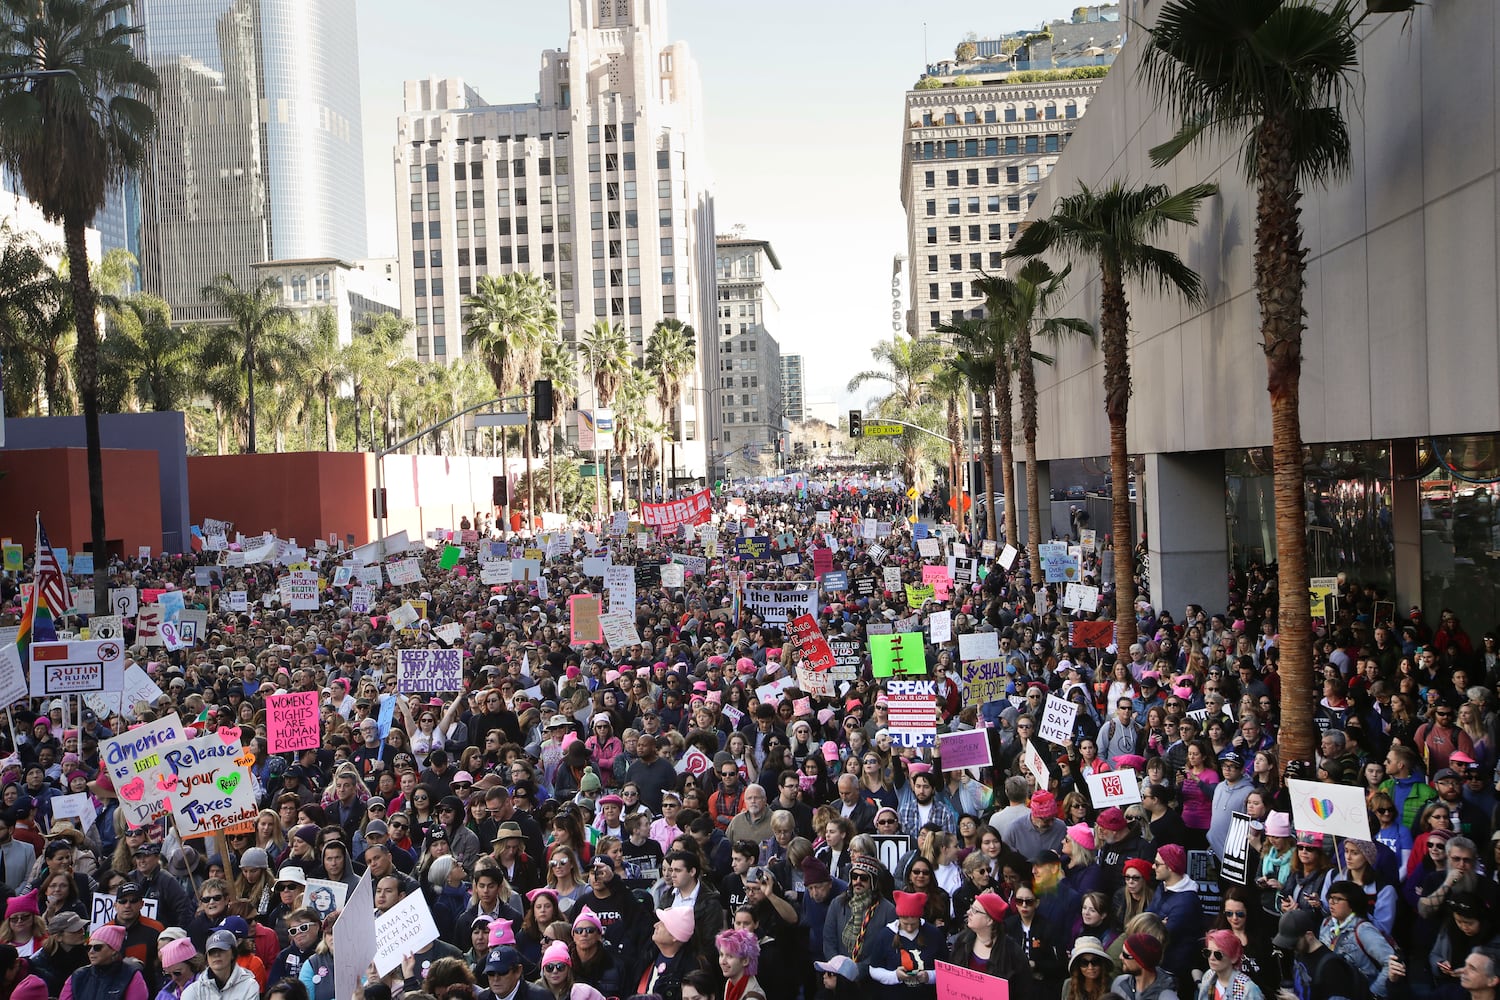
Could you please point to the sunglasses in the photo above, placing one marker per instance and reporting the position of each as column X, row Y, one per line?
column 212, row 899
column 301, row 928
column 585, row 931
column 561, row 863
column 1213, row 953
column 1025, row 900
column 554, row 968
column 97, row 947
column 1091, row 960
column 1132, row 878
column 1235, row 914
column 859, row 877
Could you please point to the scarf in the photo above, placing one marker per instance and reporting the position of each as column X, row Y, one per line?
column 861, row 908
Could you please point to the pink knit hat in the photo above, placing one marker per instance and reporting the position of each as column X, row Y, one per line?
column 175, row 952
column 110, row 934
column 557, row 951
column 1044, row 806
column 501, row 932
column 678, row 921
column 1082, row 835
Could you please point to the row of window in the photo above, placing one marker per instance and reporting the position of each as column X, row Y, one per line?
column 416, row 173
column 956, row 290
column 992, row 232
column 631, row 277
column 747, row 344
column 956, row 261
column 935, row 318
column 746, row 382
column 630, row 217
column 632, row 247
column 970, row 206
column 748, row 417
column 971, row 177
column 1030, row 113
column 463, row 200
column 1011, row 145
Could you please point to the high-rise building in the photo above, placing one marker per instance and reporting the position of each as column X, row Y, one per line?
column 977, row 146
column 258, row 150
column 793, row 402
column 752, row 420
column 600, row 185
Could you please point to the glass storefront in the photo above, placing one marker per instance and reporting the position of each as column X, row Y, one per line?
column 1460, row 505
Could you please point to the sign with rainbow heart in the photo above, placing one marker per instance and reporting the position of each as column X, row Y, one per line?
column 210, row 785
column 135, row 762
column 1335, row 810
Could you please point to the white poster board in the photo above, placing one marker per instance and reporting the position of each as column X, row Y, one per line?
column 1057, row 720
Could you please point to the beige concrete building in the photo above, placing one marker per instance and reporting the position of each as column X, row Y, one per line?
column 600, row 184
column 747, row 357
column 354, row 293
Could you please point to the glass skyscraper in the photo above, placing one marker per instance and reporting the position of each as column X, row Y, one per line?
column 258, row 151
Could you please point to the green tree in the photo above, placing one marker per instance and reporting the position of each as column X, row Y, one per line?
column 66, row 137
column 560, row 366
column 907, row 369
column 605, row 352
column 671, row 356
column 377, row 348
column 158, row 358
column 973, row 358
column 1272, row 75
column 255, row 316
column 1114, row 227
column 326, row 366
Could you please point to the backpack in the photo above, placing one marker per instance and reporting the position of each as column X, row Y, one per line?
column 1359, row 985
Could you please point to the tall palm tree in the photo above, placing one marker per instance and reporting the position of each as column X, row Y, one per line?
column 327, row 365
column 1272, row 74
column 158, row 358
column 1115, row 227
column 998, row 337
column 52, row 340
column 559, row 365
column 973, row 358
column 254, row 314
column 605, row 352
column 1020, row 301
column 671, row 355
column 908, row 368
column 27, row 296
column 378, row 344
column 67, row 137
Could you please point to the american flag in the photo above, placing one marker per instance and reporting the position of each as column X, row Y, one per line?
column 50, row 585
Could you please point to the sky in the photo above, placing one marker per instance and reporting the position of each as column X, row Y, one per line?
column 803, row 104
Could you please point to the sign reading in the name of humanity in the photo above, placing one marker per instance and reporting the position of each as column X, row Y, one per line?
column 912, row 711
column 77, row 667
column 429, row 670
column 779, row 603
column 292, row 721
column 209, row 785
column 689, row 510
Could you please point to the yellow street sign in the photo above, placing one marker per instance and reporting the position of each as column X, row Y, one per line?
column 883, row 430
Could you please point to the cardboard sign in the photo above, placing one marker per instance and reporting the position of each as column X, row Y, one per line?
column 1008, row 556
column 898, row 654
column 434, row 670
column 1236, row 863
column 916, row 596
column 966, row 749
column 404, row 571
column 78, row 807
column 848, row 657
column 361, row 600
column 779, row 603
column 940, row 626
column 77, row 667
column 13, row 686
column 810, row 644
column 302, row 590
column 583, row 616
column 404, row 929
column 619, row 629
column 325, row 896
column 1057, row 720
column 891, row 848
column 136, row 763
column 979, row 645
column 817, row 683
column 1057, row 565
column 404, row 617
column 1335, row 810
column 212, row 790
column 1080, row 597
column 1031, row 758
column 103, row 911
column 494, row 572
column 292, row 721
column 937, row 577
column 1113, row 788
column 355, row 927
column 139, row 687
column 619, row 581
column 954, row 982
column 672, row 575
column 124, row 601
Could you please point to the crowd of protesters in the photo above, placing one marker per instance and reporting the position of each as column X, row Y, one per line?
column 589, row 822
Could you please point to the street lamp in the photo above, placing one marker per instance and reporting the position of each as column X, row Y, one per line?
column 37, row 74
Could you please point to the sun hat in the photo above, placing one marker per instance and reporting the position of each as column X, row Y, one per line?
column 1089, row 945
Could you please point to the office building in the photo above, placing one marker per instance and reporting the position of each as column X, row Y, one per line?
column 752, row 419
column 355, row 295
column 975, row 149
column 793, row 402
column 1400, row 384
column 600, row 185
column 258, row 150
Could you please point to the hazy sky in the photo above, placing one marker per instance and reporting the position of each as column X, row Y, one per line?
column 804, row 110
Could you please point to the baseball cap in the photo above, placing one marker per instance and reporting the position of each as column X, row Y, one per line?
column 221, row 941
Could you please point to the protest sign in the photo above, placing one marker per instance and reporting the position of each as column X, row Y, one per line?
column 822, row 560
column 404, row 571
column 13, row 686
column 619, row 629
column 967, row 749
column 325, row 896
column 361, row 600
column 302, row 590
column 292, row 721
column 1057, row 567
column 897, row 654
column 236, row 600
column 139, row 687
column 940, row 581
column 912, row 710
column 848, row 656
column 435, row 670
column 689, row 510
column 124, row 601
column 83, row 600
column 891, row 848
column 583, row 617
column 355, row 930
column 172, row 603
column 916, row 596
column 78, row 807
column 370, row 576
column 672, row 575
column 136, row 764
column 979, row 645
column 941, row 626
column 1033, row 761
column 450, row 557
column 1008, row 556
column 877, row 553
column 494, row 572
column 778, row 603
column 891, row 578
column 1057, row 720
column 836, row 582
column 929, row 548
column 753, row 547
column 77, row 667
column 103, row 910
column 1236, row 862
column 954, row 982
column 404, row 617
column 210, row 785
column 817, row 683
column 810, row 644
column 619, row 582
column 404, row 929
column 984, row 680
column 1091, row 635
column 1335, row 810
column 450, row 633
column 1113, row 788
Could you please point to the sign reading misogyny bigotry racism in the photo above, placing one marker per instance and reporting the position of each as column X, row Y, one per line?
column 432, row 670
column 292, row 721
column 689, row 510
column 210, row 787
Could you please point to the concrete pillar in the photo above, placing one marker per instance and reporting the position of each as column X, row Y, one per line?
column 1406, row 524
column 1185, row 531
column 1044, row 494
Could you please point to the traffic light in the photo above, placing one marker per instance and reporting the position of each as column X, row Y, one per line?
column 541, row 401
column 856, row 424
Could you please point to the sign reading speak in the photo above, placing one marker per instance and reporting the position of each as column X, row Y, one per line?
column 912, row 710
column 292, row 721
column 429, row 670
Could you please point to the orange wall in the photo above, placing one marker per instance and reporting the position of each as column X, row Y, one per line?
column 308, row 495
column 55, row 482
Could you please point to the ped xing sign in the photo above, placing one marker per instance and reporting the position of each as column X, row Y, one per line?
column 883, row 430
column 77, row 667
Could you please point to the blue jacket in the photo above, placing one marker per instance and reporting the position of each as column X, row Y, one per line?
column 1182, row 912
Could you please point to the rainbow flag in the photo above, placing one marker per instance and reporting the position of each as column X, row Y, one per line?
column 36, row 625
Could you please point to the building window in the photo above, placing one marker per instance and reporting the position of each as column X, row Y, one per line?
column 416, row 202
column 992, row 203
column 989, row 116
column 1012, row 175
column 971, row 118
column 956, row 289
column 973, row 206
column 931, row 207
column 437, row 286
column 934, row 318
column 955, row 233
column 955, row 261
column 952, row 206
column 1013, row 203
column 461, row 200
column 1053, row 144
column 432, row 173
column 1033, row 174
column 952, row 178
column 1012, row 145
column 973, row 234
column 971, row 177
column 436, row 255
column 1031, row 112
column 417, row 232
column 1051, row 112
column 1010, row 114
column 994, row 231
column 414, row 173
column 931, row 263
column 997, row 259
column 974, row 261
column 930, row 177
column 1033, row 144
column 667, row 247
column 992, row 147
column 950, row 118
column 931, row 235
column 992, row 175
column 932, row 291
column 463, row 257
column 518, row 168
column 419, row 288
column 433, row 202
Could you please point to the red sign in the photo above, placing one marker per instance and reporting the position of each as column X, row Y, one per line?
column 809, row 642
column 690, row 510
column 822, row 561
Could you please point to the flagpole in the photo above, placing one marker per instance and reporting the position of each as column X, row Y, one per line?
column 14, row 740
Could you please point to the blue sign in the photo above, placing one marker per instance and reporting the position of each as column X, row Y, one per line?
column 837, row 580
column 83, row 564
column 919, row 529
column 753, row 547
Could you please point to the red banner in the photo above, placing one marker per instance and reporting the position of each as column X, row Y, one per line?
column 809, row 642
column 690, row 510
column 1093, row 635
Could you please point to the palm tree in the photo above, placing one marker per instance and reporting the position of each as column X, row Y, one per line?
column 973, row 360
column 1272, row 74
column 909, row 366
column 1020, row 300
column 326, row 365
column 671, row 354
column 378, row 345
column 559, row 365
column 605, row 351
column 1115, row 226
column 254, row 314
column 66, row 137
column 26, row 298
column 158, row 358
